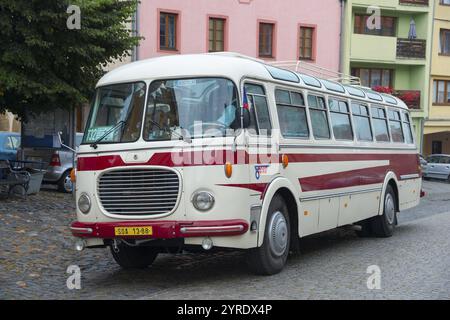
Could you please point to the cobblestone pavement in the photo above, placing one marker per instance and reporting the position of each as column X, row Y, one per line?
column 36, row 248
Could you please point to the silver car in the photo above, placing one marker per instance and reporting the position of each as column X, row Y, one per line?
column 60, row 163
column 438, row 167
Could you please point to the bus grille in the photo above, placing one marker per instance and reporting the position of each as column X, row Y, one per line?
column 139, row 191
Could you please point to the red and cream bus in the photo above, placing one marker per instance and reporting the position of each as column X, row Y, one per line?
column 222, row 150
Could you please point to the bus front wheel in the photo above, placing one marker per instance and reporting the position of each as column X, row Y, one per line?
column 271, row 257
column 134, row 257
column 382, row 226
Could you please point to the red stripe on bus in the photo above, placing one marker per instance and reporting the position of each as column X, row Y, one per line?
column 406, row 163
column 344, row 179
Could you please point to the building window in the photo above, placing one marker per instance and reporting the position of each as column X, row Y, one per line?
column 388, row 26
column 216, row 34
column 441, row 92
column 266, row 39
column 168, row 31
column 436, row 148
column 306, row 43
column 445, row 2
column 374, row 77
column 444, row 45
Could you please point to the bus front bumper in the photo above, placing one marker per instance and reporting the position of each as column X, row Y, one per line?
column 161, row 229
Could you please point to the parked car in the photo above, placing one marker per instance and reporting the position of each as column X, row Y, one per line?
column 9, row 143
column 423, row 162
column 60, row 163
column 438, row 167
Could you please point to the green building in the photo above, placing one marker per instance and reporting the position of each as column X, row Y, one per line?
column 393, row 55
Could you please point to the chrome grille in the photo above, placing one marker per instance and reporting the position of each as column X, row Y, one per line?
column 139, row 191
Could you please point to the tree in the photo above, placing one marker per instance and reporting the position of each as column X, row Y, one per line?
column 46, row 65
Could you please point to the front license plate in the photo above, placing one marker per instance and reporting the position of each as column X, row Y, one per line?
column 133, row 231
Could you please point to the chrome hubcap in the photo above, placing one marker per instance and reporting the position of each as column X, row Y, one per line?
column 68, row 184
column 389, row 208
column 278, row 237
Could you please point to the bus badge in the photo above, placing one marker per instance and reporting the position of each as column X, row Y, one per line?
column 261, row 170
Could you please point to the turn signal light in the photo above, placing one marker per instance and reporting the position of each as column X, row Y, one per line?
column 285, row 160
column 228, row 169
column 73, row 177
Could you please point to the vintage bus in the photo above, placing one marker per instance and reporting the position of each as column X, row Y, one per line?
column 221, row 150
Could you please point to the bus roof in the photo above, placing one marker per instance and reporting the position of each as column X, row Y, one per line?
column 235, row 66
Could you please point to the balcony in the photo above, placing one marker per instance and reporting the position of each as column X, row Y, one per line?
column 411, row 49
column 410, row 97
column 417, row 2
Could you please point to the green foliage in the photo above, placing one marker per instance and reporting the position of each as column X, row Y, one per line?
column 44, row 65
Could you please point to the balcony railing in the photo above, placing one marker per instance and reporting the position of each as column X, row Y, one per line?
column 410, row 97
column 419, row 2
column 412, row 49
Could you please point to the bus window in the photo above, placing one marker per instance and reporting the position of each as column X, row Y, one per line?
column 407, row 128
column 380, row 124
column 291, row 114
column 340, row 119
column 361, row 119
column 319, row 118
column 395, row 123
column 259, row 110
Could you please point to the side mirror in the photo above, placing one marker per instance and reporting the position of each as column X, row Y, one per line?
column 243, row 115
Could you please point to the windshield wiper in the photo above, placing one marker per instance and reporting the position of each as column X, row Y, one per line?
column 185, row 139
column 113, row 129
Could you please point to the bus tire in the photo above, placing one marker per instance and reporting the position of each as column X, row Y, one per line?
column 134, row 257
column 383, row 226
column 271, row 257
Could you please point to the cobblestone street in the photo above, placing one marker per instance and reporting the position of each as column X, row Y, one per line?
column 36, row 248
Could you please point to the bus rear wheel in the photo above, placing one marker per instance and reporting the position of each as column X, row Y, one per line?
column 134, row 257
column 271, row 257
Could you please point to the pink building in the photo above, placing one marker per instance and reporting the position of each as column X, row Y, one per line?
column 268, row 29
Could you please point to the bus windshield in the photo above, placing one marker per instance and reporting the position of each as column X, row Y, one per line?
column 116, row 114
column 198, row 107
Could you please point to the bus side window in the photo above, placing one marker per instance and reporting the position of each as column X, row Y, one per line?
column 259, row 110
column 340, row 119
column 380, row 125
column 291, row 114
column 395, row 123
column 407, row 128
column 319, row 118
column 361, row 119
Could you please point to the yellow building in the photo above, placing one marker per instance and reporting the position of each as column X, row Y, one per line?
column 437, row 126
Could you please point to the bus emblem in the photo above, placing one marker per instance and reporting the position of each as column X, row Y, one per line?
column 260, row 170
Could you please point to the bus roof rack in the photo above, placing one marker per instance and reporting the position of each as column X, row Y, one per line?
column 316, row 71
column 236, row 55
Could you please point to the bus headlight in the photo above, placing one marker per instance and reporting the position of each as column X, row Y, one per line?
column 203, row 201
column 84, row 203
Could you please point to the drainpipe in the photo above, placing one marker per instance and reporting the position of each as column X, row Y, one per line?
column 135, row 27
column 341, row 38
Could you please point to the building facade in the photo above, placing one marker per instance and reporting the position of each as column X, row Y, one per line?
column 271, row 30
column 437, row 125
column 391, row 54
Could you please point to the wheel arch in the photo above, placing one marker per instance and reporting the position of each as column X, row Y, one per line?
column 390, row 179
column 283, row 187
